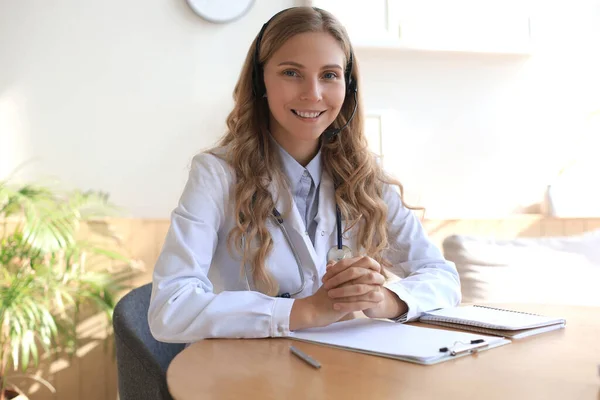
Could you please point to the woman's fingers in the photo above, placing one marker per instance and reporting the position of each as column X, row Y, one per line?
column 372, row 296
column 358, row 262
column 372, row 278
column 353, row 289
column 344, row 276
column 349, row 307
column 354, row 274
column 350, row 291
column 355, row 306
column 362, row 261
column 354, row 284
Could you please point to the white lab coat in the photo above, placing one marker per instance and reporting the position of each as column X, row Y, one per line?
column 200, row 292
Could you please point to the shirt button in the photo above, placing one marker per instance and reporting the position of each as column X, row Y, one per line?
column 322, row 233
column 306, row 233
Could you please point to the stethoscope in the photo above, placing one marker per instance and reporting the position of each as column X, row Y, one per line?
column 335, row 253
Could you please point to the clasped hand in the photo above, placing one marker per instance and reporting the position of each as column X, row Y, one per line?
column 352, row 284
column 356, row 284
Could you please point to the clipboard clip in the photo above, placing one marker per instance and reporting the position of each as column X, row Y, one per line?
column 472, row 347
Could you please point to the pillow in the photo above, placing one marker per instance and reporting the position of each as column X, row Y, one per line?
column 553, row 270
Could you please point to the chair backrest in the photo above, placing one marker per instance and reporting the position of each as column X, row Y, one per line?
column 142, row 361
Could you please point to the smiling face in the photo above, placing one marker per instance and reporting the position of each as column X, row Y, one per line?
column 305, row 87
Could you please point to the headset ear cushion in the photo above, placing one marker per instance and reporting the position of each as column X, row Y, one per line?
column 256, row 81
column 352, row 86
column 254, row 90
column 350, row 83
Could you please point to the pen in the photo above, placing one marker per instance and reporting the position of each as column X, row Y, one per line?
column 470, row 349
column 305, row 357
column 476, row 341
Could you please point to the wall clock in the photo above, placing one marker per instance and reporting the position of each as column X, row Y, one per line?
column 220, row 11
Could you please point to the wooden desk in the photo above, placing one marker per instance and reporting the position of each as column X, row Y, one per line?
column 561, row 364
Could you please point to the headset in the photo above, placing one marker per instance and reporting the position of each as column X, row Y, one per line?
column 258, row 86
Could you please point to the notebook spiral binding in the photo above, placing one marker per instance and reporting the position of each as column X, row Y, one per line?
column 471, row 328
column 503, row 309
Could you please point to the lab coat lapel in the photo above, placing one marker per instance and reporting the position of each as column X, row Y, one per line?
column 294, row 225
column 283, row 202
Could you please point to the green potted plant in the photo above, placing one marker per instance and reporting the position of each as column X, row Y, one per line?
column 48, row 275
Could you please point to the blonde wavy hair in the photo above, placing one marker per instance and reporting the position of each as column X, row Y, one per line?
column 358, row 176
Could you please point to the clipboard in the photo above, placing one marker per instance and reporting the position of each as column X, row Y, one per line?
column 389, row 339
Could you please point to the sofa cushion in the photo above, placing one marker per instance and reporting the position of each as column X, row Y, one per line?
column 554, row 270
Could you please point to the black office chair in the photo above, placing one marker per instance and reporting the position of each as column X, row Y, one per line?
column 142, row 361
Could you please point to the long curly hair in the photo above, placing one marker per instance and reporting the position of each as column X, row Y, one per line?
column 354, row 168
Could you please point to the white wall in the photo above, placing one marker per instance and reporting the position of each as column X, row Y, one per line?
column 118, row 95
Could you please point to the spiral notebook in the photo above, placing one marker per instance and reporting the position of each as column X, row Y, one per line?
column 493, row 321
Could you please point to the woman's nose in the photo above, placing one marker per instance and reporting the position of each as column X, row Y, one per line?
column 311, row 90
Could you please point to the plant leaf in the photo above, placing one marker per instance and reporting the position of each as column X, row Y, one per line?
column 26, row 343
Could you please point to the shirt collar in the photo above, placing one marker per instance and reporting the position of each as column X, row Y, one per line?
column 293, row 170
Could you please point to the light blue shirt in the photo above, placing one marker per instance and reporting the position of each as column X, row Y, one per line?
column 304, row 184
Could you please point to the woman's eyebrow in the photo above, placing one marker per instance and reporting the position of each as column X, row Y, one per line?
column 298, row 65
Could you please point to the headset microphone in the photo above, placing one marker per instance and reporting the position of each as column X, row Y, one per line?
column 330, row 134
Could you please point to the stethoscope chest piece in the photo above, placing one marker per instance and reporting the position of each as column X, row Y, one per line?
column 335, row 254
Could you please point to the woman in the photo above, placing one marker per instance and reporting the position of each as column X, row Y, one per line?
column 291, row 223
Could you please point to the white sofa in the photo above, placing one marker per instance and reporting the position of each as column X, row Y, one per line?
column 552, row 270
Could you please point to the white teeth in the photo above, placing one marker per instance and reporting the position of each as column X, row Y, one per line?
column 307, row 114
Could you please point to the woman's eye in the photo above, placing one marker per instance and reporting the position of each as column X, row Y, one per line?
column 290, row 73
column 330, row 75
